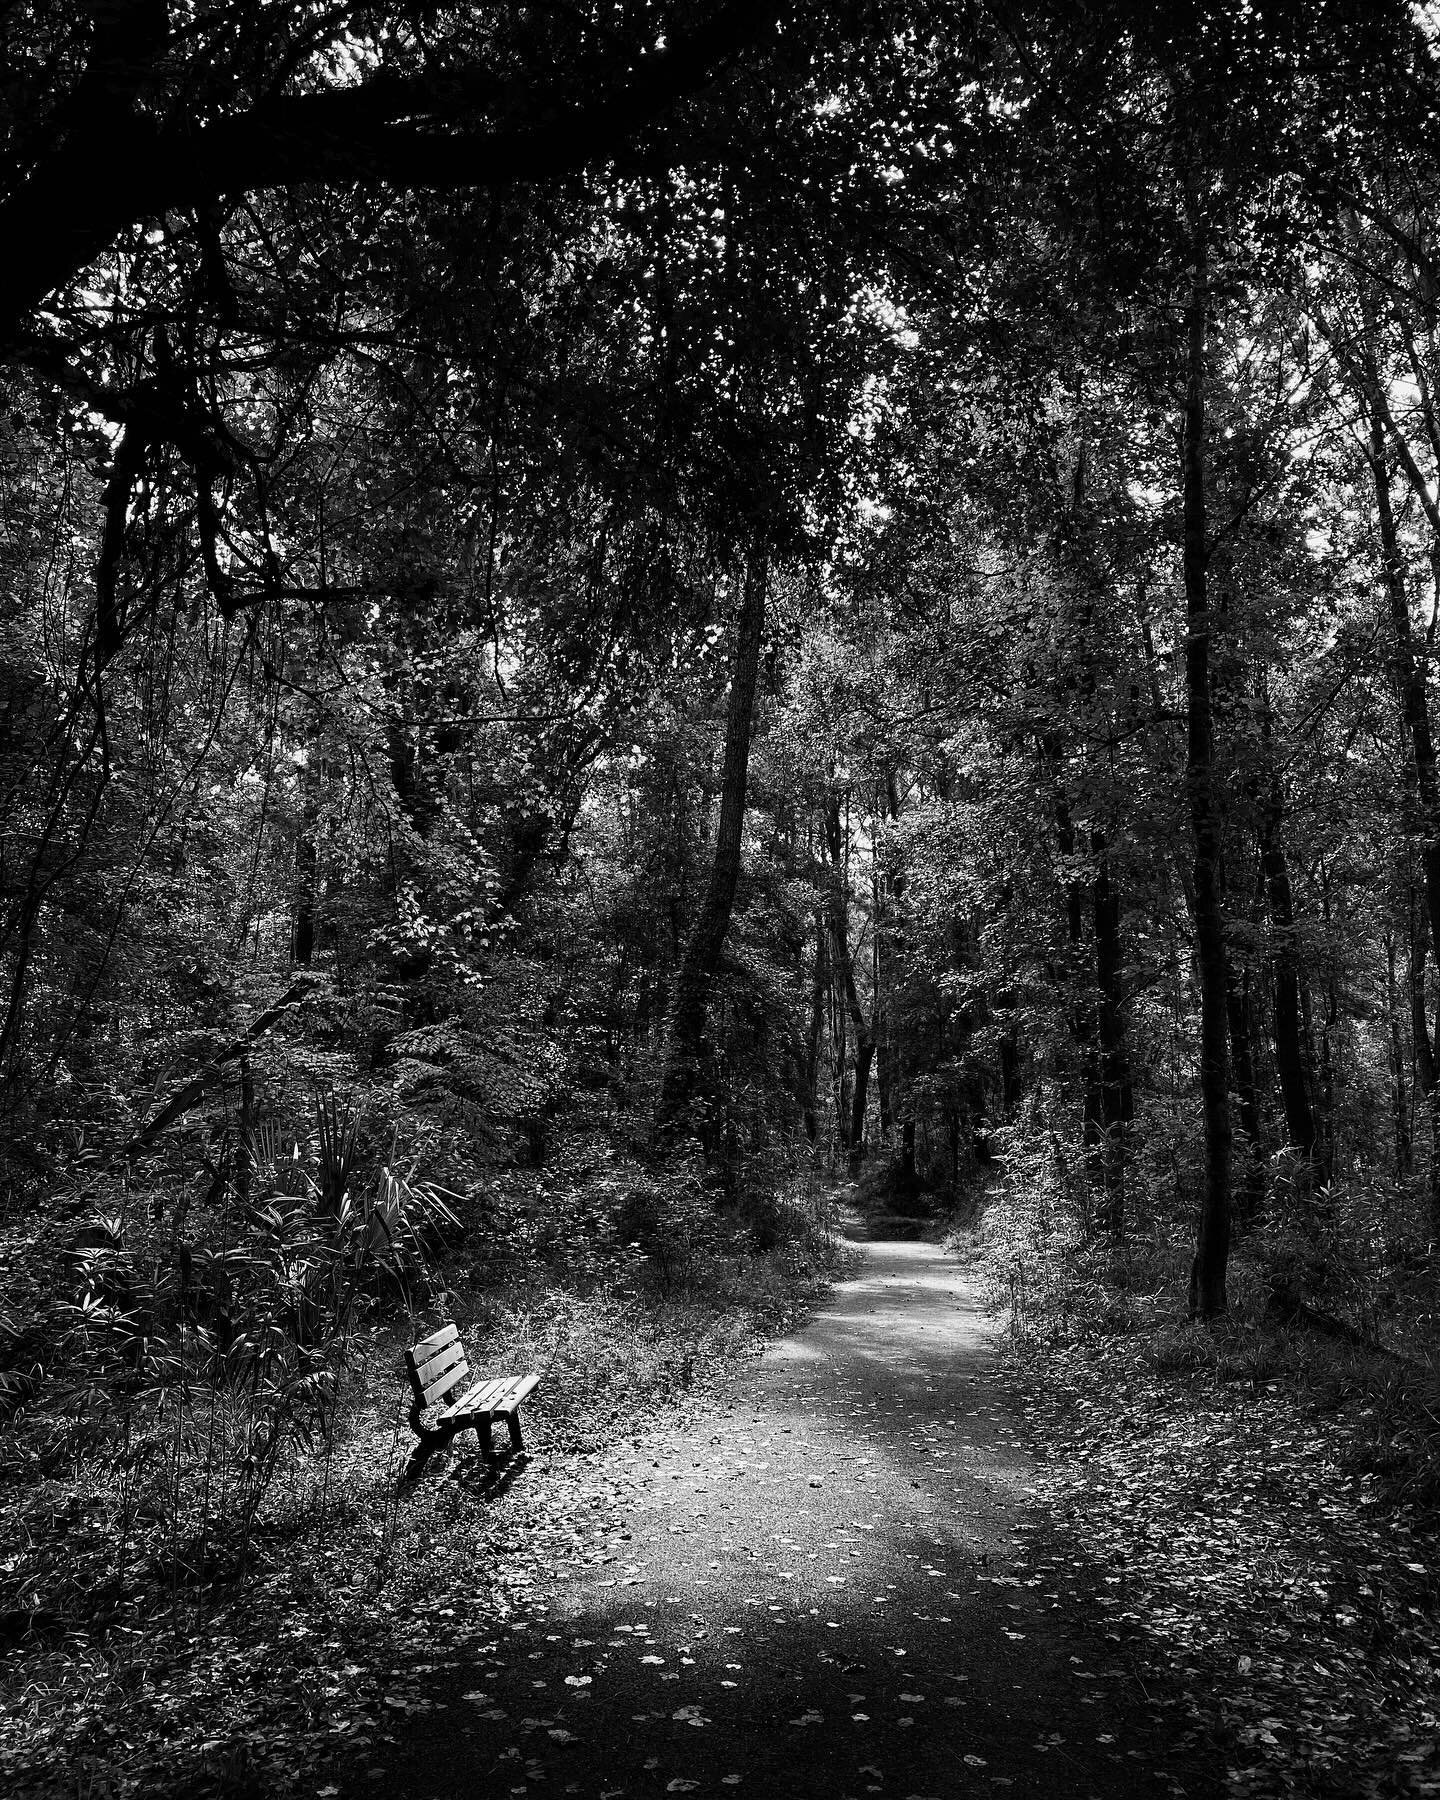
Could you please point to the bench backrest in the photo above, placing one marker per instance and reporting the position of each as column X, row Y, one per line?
column 436, row 1365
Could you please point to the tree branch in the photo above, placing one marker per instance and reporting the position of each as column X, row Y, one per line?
column 425, row 132
column 192, row 1092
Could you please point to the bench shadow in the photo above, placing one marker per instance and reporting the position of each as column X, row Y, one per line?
column 488, row 1480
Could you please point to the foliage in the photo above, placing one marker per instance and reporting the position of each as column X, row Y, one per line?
column 183, row 1373
column 1257, row 1494
column 340, row 1550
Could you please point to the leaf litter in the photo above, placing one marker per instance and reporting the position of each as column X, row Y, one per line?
column 1228, row 1537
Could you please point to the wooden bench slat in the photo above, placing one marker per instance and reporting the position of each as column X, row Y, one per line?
column 477, row 1399
column 502, row 1394
column 432, row 1365
column 437, row 1340
column 434, row 1392
column 446, row 1353
column 426, row 1366
column 451, row 1368
column 439, row 1377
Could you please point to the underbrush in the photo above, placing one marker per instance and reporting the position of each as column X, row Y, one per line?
column 214, row 1562
column 1255, row 1495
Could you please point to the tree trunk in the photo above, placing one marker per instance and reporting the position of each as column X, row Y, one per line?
column 864, row 1062
column 1285, row 973
column 1327, row 1061
column 1324, row 1136
column 884, row 1083
column 245, row 1131
column 1081, row 1016
column 1409, row 680
column 892, row 1063
column 1419, row 1023
column 907, row 1179
column 817, row 1024
column 1400, row 1105
column 842, row 1111
column 845, row 975
column 1427, row 1078
column 302, row 924
column 1212, row 1251
column 879, row 1011
column 305, row 903
column 1435, row 1165
column 1247, row 1099
column 839, row 1050
column 1116, row 1096
column 1415, row 709
column 690, row 1005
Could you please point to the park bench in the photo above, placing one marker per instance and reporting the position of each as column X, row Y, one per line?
column 437, row 1367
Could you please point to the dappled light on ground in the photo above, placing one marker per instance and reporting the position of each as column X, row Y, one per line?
column 822, row 1588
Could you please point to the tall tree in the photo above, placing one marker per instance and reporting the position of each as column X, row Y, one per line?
column 685, row 1045
column 1207, row 1281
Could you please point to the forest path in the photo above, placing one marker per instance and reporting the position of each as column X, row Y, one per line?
column 827, row 1587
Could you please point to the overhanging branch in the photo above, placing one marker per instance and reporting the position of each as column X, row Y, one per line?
column 438, row 132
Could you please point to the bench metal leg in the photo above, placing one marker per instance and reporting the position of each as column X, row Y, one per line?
column 487, row 1443
column 512, row 1419
column 429, row 1442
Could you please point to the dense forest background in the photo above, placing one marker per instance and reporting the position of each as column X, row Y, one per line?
column 604, row 606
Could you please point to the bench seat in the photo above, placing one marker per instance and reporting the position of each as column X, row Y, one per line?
column 502, row 1394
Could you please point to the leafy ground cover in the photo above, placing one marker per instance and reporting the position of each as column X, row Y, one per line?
column 301, row 1658
column 1261, row 1501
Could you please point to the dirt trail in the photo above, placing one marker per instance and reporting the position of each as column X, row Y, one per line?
column 826, row 1588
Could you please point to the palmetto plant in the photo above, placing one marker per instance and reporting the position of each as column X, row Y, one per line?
column 211, row 1361
column 337, row 1130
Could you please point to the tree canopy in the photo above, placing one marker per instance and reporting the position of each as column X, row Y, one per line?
column 775, row 575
